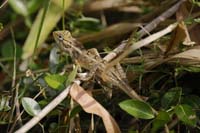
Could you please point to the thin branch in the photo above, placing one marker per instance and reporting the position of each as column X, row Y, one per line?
column 4, row 3
column 148, row 28
column 142, row 43
column 153, row 24
column 45, row 111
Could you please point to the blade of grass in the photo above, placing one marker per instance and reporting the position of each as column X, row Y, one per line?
column 14, row 57
column 46, row 7
column 52, row 16
column 63, row 16
column 13, row 79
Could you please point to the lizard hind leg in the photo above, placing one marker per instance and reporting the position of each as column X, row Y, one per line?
column 122, row 73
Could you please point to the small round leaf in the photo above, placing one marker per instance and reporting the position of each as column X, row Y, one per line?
column 30, row 106
column 137, row 109
column 55, row 81
column 171, row 97
column 186, row 114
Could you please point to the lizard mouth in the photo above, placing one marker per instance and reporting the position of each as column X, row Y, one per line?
column 55, row 35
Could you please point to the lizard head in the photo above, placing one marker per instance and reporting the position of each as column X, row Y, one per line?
column 64, row 39
column 67, row 43
column 62, row 35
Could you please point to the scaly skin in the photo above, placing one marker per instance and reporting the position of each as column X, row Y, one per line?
column 90, row 60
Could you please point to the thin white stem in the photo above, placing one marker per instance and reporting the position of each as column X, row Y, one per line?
column 45, row 111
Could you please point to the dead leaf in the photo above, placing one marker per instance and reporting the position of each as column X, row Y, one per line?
column 184, row 13
column 97, row 5
column 181, row 15
column 111, row 31
column 181, row 34
column 192, row 54
column 130, row 9
column 195, row 33
column 90, row 105
column 178, row 36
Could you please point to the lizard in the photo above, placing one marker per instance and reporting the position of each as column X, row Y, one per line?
column 91, row 60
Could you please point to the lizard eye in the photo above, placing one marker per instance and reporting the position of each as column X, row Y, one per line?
column 60, row 37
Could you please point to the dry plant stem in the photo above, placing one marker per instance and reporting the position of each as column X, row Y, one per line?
column 166, row 129
column 142, row 43
column 18, row 114
column 45, row 111
column 115, row 52
column 14, row 87
column 153, row 24
column 4, row 3
column 111, row 31
column 99, row 5
column 172, row 124
column 148, row 28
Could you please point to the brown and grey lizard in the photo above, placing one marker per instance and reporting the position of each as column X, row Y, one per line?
column 91, row 60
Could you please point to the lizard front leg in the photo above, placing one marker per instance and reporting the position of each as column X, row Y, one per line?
column 89, row 75
column 89, row 60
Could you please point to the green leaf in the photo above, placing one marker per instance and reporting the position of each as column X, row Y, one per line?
column 43, row 102
column 161, row 119
column 7, row 50
column 186, row 114
column 196, row 2
column 30, row 106
column 197, row 20
column 75, row 111
column 137, row 109
column 171, row 97
column 189, row 21
column 53, row 127
column 52, row 16
column 85, row 24
column 19, row 6
column 192, row 100
column 4, row 103
column 55, row 81
column 25, row 8
column 89, row 20
column 33, row 5
column 72, row 76
column 1, row 26
column 181, row 69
